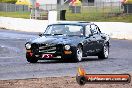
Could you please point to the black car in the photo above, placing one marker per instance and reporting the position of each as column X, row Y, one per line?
column 68, row 41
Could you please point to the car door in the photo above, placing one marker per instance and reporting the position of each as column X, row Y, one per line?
column 89, row 42
column 97, row 35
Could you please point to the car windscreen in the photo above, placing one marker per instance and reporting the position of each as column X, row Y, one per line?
column 64, row 29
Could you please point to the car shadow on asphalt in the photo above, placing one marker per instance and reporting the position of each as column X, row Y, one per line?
column 58, row 61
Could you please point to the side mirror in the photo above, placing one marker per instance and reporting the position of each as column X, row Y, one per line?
column 40, row 34
column 90, row 35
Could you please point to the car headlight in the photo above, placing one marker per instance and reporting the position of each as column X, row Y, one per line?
column 28, row 46
column 67, row 47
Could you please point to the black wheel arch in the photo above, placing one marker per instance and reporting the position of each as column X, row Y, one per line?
column 107, row 43
column 80, row 44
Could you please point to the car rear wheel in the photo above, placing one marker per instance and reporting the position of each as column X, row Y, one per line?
column 104, row 53
column 32, row 60
column 79, row 54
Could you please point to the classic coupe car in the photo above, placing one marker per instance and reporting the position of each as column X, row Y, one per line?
column 68, row 41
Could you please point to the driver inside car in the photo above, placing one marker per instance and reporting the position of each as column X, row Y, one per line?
column 60, row 30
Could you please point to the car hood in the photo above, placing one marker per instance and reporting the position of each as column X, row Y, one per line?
column 58, row 40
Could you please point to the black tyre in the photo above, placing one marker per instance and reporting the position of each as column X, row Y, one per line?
column 104, row 53
column 32, row 60
column 79, row 54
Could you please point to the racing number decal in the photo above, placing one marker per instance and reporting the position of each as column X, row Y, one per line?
column 47, row 56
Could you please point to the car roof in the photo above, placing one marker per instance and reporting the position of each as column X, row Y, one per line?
column 82, row 23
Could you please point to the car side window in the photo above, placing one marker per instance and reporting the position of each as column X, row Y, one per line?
column 88, row 30
column 94, row 29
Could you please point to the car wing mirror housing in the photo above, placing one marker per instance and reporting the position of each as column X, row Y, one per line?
column 90, row 35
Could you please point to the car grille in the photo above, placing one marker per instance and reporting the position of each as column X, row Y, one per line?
column 45, row 48
column 35, row 48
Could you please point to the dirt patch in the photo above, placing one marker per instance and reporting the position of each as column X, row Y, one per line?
column 55, row 82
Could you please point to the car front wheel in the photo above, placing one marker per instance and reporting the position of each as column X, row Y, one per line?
column 104, row 53
column 79, row 54
column 32, row 60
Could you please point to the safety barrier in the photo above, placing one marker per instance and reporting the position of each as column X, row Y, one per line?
column 118, row 30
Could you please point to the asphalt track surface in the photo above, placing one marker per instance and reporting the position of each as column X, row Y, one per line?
column 13, row 64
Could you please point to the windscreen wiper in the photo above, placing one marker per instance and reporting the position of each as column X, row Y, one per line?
column 57, row 34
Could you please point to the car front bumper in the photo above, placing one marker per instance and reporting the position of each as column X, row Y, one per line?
column 64, row 54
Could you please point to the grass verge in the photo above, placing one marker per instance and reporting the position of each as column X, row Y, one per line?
column 84, row 16
column 16, row 14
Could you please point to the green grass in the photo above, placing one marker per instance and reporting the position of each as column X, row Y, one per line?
column 99, row 14
column 16, row 14
column 124, row 18
column 87, row 14
column 99, row 17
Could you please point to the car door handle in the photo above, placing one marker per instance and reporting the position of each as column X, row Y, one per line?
column 89, row 40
